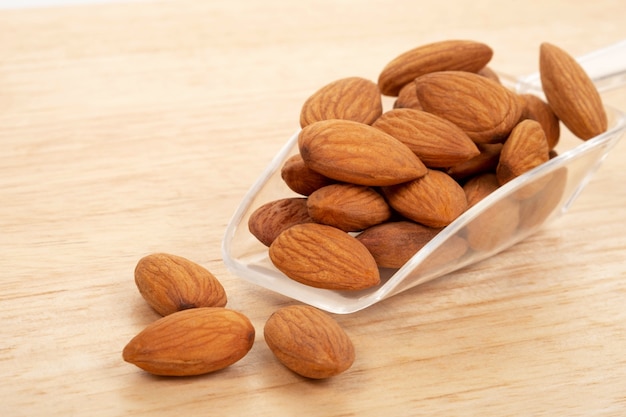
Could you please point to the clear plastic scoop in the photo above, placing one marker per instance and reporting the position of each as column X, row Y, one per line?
column 533, row 198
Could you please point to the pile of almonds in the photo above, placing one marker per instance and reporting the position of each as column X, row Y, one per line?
column 198, row 334
column 375, row 186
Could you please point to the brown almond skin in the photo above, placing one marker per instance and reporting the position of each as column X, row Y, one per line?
column 309, row 342
column 449, row 253
column 485, row 110
column 486, row 161
column 436, row 141
column 480, row 187
column 357, row 153
column 191, row 342
column 323, row 256
column 392, row 244
column 460, row 55
column 498, row 223
column 348, row 207
column 171, row 283
column 407, row 98
column 490, row 73
column 571, row 93
column 534, row 211
column 300, row 178
column 525, row 149
column 434, row 200
column 272, row 218
column 494, row 226
column 536, row 109
column 351, row 98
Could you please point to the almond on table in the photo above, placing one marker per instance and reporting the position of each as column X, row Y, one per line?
column 309, row 342
column 170, row 283
column 191, row 342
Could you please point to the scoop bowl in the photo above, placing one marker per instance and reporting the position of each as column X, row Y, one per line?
column 508, row 215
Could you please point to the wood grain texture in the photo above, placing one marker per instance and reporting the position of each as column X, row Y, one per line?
column 128, row 129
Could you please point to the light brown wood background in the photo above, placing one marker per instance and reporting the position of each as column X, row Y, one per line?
column 130, row 128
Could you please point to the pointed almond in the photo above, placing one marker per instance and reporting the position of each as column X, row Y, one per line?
column 348, row 207
column 490, row 73
column 486, row 161
column 407, row 98
column 191, row 342
column 436, row 141
column 460, row 55
column 435, row 200
column 480, row 187
column 536, row 109
column 324, row 257
column 571, row 93
column 170, row 283
column 493, row 227
column 392, row 244
column 272, row 218
column 309, row 342
column 300, row 178
column 484, row 109
column 351, row 98
column 525, row 149
column 357, row 153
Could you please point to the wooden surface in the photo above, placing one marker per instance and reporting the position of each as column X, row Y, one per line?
column 131, row 128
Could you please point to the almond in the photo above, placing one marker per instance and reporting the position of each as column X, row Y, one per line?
column 269, row 220
column 525, row 149
column 462, row 55
column 437, row 142
column 486, row 161
column 300, row 178
column 357, row 153
column 352, row 98
column 484, row 109
column 571, row 93
column 170, row 283
column 490, row 73
column 392, row 244
column 309, row 342
column 191, row 342
column 537, row 208
column 443, row 257
column 407, row 98
column 536, row 109
column 494, row 227
column 480, row 187
column 435, row 200
column 324, row 257
column 348, row 207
